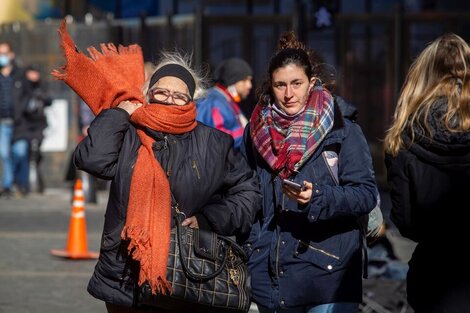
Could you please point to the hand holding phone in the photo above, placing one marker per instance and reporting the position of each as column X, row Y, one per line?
column 294, row 185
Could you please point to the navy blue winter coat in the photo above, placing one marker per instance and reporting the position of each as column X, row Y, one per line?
column 312, row 254
column 207, row 177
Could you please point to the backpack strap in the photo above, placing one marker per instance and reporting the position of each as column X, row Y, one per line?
column 332, row 167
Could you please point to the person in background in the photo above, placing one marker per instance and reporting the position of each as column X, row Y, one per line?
column 306, row 247
column 13, row 126
column 220, row 107
column 38, row 99
column 197, row 164
column 427, row 156
column 90, row 182
column 85, row 117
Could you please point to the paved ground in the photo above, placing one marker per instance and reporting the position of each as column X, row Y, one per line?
column 31, row 279
column 34, row 281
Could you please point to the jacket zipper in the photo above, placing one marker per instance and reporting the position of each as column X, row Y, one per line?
column 277, row 254
column 278, row 234
column 319, row 250
column 196, row 169
column 283, row 205
column 165, row 145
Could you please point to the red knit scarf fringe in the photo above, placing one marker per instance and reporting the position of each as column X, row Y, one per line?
column 103, row 80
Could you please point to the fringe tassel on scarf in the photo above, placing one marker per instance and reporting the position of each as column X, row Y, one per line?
column 103, row 80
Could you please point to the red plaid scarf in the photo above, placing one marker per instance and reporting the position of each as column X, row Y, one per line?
column 286, row 142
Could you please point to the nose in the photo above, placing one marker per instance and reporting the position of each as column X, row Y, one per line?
column 289, row 92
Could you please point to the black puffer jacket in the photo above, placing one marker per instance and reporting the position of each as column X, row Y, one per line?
column 207, row 177
column 429, row 192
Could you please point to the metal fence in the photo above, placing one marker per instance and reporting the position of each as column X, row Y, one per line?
column 374, row 52
column 38, row 43
column 370, row 52
column 209, row 39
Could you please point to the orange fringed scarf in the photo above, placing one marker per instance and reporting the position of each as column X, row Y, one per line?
column 103, row 81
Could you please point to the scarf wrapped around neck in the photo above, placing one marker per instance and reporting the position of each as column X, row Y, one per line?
column 103, row 81
column 286, row 142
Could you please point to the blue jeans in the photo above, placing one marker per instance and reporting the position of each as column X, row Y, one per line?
column 20, row 155
column 339, row 307
column 6, row 134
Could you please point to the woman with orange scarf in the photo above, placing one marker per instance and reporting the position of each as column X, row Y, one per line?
column 150, row 150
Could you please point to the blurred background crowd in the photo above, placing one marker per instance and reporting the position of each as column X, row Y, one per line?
column 367, row 47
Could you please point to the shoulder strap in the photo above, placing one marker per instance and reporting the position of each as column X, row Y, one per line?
column 362, row 220
column 334, row 173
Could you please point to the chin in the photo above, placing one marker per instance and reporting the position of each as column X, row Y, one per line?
column 291, row 111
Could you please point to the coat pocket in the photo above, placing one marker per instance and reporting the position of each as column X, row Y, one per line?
column 111, row 239
column 329, row 261
column 113, row 261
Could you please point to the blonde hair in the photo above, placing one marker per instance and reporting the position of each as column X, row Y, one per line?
column 440, row 71
column 184, row 60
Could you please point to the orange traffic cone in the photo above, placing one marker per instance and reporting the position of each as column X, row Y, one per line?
column 77, row 245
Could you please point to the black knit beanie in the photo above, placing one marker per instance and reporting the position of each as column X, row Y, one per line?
column 231, row 71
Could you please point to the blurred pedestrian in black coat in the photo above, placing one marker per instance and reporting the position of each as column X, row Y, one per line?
column 428, row 167
column 38, row 99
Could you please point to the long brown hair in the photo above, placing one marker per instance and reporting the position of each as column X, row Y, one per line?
column 441, row 70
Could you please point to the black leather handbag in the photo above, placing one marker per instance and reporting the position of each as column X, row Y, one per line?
column 207, row 272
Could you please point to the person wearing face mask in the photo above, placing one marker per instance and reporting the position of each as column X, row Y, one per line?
column 147, row 142
column 305, row 249
column 14, row 156
column 220, row 107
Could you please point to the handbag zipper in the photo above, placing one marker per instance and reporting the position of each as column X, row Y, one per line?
column 240, row 287
column 237, row 276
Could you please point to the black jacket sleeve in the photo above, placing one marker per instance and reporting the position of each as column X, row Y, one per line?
column 98, row 152
column 399, row 182
column 234, row 211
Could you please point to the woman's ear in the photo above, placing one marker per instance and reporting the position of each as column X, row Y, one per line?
column 312, row 81
column 311, row 84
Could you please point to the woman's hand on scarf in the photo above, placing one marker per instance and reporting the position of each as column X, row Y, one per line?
column 191, row 222
column 129, row 106
column 301, row 196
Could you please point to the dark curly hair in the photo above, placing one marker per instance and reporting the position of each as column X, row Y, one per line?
column 290, row 51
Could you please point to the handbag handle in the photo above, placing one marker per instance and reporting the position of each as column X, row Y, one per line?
column 234, row 246
column 224, row 241
column 186, row 269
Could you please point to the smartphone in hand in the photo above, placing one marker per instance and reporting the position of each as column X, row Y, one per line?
column 294, row 185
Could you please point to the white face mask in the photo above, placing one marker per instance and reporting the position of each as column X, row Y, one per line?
column 4, row 60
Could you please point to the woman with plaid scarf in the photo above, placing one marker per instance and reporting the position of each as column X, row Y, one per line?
column 306, row 247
